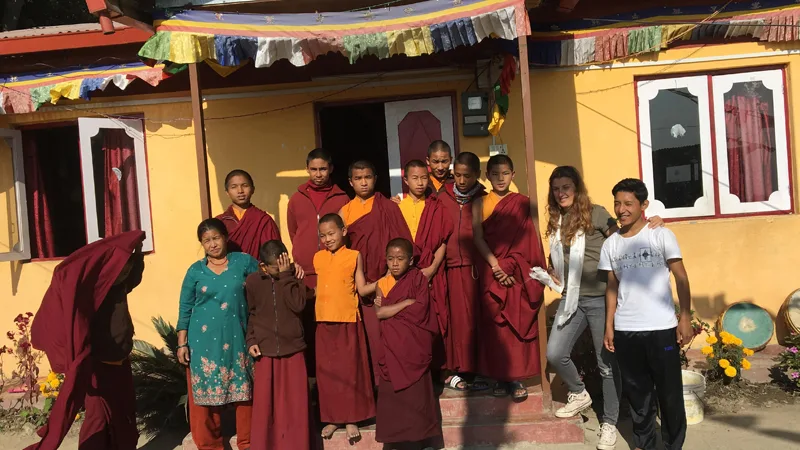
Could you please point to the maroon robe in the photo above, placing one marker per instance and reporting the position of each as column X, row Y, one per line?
column 434, row 229
column 247, row 235
column 61, row 328
column 507, row 324
column 407, row 408
column 370, row 235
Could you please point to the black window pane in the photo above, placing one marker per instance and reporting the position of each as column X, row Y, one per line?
column 675, row 137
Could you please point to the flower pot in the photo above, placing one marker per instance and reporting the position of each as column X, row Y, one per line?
column 694, row 389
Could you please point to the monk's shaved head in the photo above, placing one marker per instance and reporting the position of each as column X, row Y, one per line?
column 333, row 218
column 271, row 250
column 402, row 244
column 499, row 160
column 470, row 160
column 361, row 165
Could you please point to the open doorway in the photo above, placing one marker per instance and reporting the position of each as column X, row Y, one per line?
column 352, row 133
column 389, row 134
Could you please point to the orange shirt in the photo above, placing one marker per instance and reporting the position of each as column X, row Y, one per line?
column 436, row 183
column 337, row 300
column 490, row 201
column 239, row 213
column 356, row 209
column 412, row 212
column 386, row 284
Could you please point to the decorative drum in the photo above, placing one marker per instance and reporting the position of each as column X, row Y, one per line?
column 750, row 323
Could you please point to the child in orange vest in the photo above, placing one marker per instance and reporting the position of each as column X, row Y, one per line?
column 343, row 367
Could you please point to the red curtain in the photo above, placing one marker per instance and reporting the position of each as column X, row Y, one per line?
column 41, row 226
column 416, row 131
column 751, row 152
column 121, row 196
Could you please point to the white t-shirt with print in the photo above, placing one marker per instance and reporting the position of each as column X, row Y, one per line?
column 644, row 297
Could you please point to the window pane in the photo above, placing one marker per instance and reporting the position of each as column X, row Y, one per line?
column 9, row 236
column 115, row 182
column 675, row 134
column 750, row 141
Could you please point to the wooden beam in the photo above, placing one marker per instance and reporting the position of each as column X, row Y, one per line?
column 200, row 141
column 530, row 164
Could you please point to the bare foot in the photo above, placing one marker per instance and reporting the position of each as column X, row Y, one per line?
column 352, row 432
column 328, row 431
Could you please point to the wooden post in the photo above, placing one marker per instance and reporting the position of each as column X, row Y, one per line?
column 530, row 164
column 200, row 141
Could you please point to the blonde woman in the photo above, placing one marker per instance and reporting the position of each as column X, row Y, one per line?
column 576, row 230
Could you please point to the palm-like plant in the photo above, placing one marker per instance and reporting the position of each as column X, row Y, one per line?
column 160, row 382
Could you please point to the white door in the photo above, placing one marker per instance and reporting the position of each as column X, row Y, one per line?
column 410, row 127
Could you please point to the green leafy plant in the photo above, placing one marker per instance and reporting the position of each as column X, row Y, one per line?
column 788, row 362
column 160, row 382
column 698, row 326
column 726, row 357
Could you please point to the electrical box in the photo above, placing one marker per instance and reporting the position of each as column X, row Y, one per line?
column 475, row 113
column 498, row 149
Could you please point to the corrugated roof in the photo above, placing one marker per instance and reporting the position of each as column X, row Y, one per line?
column 56, row 30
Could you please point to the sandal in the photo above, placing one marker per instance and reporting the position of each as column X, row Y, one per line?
column 479, row 385
column 517, row 390
column 500, row 389
column 454, row 382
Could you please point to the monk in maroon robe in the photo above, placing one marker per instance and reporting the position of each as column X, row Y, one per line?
column 84, row 327
column 508, row 349
column 407, row 409
column 248, row 226
column 372, row 220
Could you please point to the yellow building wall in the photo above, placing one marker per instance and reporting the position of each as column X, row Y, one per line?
column 588, row 119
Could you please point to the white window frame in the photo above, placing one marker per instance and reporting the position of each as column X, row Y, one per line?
column 781, row 199
column 22, row 250
column 90, row 127
column 648, row 90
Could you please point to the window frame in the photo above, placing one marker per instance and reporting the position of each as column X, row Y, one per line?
column 785, row 173
column 22, row 250
column 88, row 127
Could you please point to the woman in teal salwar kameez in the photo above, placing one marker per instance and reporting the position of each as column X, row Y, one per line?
column 212, row 323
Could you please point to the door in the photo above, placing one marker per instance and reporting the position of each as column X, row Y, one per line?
column 410, row 127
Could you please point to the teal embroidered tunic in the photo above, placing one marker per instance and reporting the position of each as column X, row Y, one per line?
column 213, row 310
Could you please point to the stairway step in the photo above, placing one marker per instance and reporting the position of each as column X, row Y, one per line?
column 537, row 431
column 478, row 406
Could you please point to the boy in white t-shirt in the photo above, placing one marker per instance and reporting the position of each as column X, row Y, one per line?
column 641, row 327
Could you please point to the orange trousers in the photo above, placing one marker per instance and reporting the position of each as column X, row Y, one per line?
column 205, row 422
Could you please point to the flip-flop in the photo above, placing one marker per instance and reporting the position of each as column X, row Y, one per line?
column 514, row 387
column 479, row 385
column 455, row 380
column 500, row 389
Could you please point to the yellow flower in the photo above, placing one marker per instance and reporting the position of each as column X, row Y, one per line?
column 55, row 383
column 738, row 341
column 724, row 334
column 727, row 340
column 43, row 387
column 745, row 364
column 707, row 350
column 724, row 363
column 711, row 355
column 711, row 340
column 748, row 352
column 51, row 376
column 730, row 371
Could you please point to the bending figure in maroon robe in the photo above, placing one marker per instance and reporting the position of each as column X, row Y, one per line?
column 84, row 327
column 508, row 349
column 372, row 221
column 407, row 410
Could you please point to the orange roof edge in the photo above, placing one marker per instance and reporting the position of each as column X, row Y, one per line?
column 72, row 40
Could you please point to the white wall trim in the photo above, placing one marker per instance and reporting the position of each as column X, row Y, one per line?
column 621, row 65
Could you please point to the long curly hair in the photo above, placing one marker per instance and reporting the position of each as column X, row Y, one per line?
column 578, row 216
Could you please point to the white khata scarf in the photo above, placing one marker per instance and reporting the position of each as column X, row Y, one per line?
column 576, row 254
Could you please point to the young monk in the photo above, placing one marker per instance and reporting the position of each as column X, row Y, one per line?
column 440, row 157
column 314, row 198
column 430, row 227
column 343, row 370
column 84, row 327
column 462, row 277
column 372, row 221
column 276, row 301
column 509, row 246
column 407, row 406
column 248, row 226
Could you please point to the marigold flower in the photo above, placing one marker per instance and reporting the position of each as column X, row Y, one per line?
column 737, row 341
column 711, row 340
column 724, row 363
column 724, row 334
column 746, row 364
column 711, row 355
column 55, row 383
column 707, row 350
column 727, row 340
column 730, row 372
column 51, row 376
column 748, row 352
